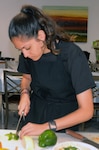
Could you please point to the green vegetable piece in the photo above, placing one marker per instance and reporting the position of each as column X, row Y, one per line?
column 47, row 138
column 70, row 148
column 15, row 137
column 9, row 135
column 12, row 136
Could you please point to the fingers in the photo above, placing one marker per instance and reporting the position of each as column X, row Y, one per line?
column 23, row 108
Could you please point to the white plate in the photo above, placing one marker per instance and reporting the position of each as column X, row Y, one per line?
column 79, row 145
column 11, row 145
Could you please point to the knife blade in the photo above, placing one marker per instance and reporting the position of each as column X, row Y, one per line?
column 81, row 137
column 20, row 118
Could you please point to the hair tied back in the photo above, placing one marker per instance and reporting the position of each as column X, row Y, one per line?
column 27, row 10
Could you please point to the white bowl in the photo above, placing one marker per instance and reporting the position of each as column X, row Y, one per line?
column 79, row 145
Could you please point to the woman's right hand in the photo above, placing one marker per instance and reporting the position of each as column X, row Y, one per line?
column 24, row 104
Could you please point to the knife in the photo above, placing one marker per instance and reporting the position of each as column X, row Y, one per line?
column 17, row 127
column 81, row 137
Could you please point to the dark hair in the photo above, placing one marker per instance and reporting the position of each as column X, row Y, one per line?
column 30, row 20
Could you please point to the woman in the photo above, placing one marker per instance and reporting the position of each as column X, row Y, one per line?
column 56, row 89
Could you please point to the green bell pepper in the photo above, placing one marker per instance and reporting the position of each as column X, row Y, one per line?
column 47, row 138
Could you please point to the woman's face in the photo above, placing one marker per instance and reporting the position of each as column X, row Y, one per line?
column 31, row 48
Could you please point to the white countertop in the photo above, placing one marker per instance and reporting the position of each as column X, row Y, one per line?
column 61, row 137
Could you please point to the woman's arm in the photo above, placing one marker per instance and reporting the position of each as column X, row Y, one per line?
column 26, row 80
column 83, row 113
column 24, row 104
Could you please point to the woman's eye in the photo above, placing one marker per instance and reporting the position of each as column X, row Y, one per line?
column 28, row 48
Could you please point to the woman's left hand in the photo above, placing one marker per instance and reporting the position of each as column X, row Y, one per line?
column 31, row 129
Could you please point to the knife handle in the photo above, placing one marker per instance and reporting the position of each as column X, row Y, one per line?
column 74, row 134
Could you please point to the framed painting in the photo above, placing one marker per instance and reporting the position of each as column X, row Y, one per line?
column 74, row 20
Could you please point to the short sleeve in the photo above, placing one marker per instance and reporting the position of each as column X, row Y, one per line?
column 76, row 65
column 79, row 70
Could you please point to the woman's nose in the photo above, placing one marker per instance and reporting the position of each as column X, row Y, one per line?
column 25, row 53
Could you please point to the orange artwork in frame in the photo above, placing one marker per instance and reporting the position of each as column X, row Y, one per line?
column 74, row 20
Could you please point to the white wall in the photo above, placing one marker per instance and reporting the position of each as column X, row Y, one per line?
column 9, row 8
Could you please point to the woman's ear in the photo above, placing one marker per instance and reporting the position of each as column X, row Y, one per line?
column 41, row 35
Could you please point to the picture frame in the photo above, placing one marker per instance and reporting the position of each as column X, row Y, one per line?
column 74, row 20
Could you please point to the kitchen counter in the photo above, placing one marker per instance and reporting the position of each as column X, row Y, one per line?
column 61, row 137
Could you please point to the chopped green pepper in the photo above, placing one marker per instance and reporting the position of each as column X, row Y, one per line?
column 47, row 138
column 70, row 148
column 12, row 136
